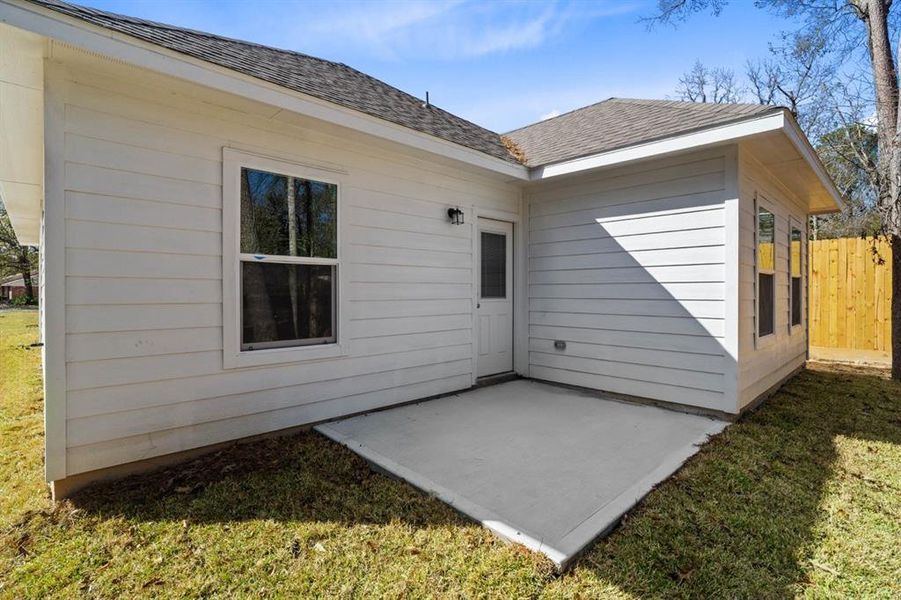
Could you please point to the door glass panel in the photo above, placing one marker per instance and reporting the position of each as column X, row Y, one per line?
column 494, row 265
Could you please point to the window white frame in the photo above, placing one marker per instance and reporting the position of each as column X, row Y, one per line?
column 233, row 356
column 793, row 223
column 761, row 341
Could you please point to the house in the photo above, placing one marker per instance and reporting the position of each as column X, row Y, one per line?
column 13, row 287
column 237, row 240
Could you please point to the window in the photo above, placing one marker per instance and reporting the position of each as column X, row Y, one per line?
column 796, row 242
column 494, row 265
column 288, row 260
column 766, row 272
column 281, row 262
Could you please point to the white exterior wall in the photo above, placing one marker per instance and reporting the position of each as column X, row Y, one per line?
column 143, row 292
column 764, row 363
column 629, row 268
column 640, row 269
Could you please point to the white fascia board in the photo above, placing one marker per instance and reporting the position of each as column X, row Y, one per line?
column 155, row 58
column 802, row 145
column 689, row 141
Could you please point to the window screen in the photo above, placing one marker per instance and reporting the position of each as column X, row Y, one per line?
column 286, row 302
column 494, row 265
column 766, row 290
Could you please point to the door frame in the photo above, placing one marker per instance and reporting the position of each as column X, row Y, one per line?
column 520, row 291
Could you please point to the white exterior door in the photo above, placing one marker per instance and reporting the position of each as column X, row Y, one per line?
column 495, row 297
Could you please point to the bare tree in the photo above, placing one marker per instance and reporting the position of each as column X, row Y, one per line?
column 702, row 84
column 840, row 29
column 15, row 258
column 800, row 74
column 764, row 78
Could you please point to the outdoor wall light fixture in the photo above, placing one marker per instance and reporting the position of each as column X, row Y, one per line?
column 455, row 215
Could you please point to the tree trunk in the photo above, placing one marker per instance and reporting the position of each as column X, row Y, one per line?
column 874, row 13
column 896, row 306
column 292, row 251
column 312, row 296
column 26, row 276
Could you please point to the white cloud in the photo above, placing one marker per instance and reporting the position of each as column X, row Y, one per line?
column 549, row 115
column 444, row 29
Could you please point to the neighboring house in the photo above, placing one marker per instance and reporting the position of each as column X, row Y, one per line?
column 14, row 287
column 237, row 240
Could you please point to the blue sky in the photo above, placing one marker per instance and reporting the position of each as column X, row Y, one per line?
column 501, row 64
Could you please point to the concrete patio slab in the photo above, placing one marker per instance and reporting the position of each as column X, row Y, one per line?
column 548, row 467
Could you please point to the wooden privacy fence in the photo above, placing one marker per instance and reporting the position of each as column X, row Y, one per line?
column 850, row 293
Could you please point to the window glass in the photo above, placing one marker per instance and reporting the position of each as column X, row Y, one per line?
column 796, row 252
column 284, row 304
column 494, row 265
column 289, row 225
column 766, row 225
column 766, row 314
column 287, row 216
column 766, row 266
column 796, row 274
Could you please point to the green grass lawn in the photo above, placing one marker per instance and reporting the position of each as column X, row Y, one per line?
column 801, row 498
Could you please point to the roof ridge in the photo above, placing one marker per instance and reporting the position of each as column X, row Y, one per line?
column 652, row 102
column 587, row 128
column 563, row 114
column 691, row 103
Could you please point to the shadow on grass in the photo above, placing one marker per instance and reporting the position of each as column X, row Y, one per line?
column 300, row 477
column 738, row 520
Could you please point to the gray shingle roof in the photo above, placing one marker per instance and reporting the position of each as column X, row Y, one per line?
column 621, row 122
column 608, row 125
column 323, row 79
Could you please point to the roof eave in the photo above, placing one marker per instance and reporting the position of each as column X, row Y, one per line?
column 694, row 140
column 793, row 132
column 93, row 38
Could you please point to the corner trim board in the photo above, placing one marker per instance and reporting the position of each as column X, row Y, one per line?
column 732, row 250
column 54, row 249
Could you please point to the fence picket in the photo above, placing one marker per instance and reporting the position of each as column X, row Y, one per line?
column 849, row 293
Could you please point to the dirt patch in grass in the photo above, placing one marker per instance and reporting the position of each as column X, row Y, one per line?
column 800, row 498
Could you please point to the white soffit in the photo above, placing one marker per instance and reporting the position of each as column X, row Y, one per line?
column 22, row 131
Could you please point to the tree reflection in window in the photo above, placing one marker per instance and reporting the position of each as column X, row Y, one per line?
column 289, row 228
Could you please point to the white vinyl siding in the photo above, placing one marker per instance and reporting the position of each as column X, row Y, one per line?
column 627, row 266
column 761, row 367
column 143, row 233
